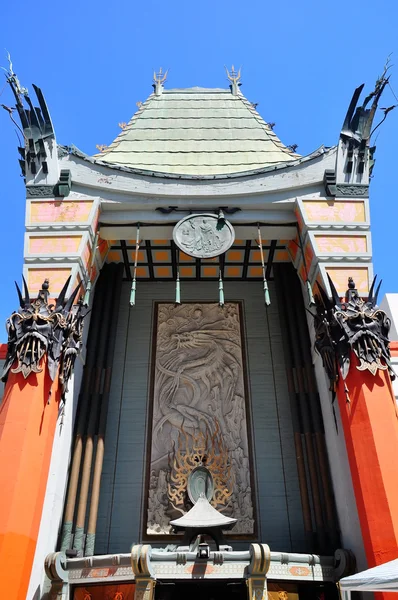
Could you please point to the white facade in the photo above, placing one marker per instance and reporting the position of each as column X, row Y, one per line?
column 390, row 306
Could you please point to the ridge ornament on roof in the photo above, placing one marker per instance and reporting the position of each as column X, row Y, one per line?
column 234, row 77
column 355, row 151
column 159, row 78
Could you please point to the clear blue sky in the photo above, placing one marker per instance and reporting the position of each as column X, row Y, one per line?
column 300, row 61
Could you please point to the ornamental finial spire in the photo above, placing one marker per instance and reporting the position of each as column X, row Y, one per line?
column 12, row 78
column 234, row 77
column 158, row 80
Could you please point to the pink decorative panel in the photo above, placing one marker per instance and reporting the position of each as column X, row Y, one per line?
column 340, row 275
column 60, row 212
column 57, row 279
column 341, row 244
column 340, row 212
column 54, row 244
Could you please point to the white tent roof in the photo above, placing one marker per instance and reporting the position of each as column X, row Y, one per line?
column 381, row 578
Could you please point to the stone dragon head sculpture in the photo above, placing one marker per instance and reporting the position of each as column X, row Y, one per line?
column 38, row 328
column 353, row 325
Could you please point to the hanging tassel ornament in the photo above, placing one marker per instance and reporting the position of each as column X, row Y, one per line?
column 311, row 299
column 178, row 294
column 86, row 299
column 178, row 291
column 220, row 290
column 220, row 220
column 265, row 283
column 134, row 282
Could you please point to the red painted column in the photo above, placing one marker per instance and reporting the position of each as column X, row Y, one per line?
column 369, row 417
column 27, row 427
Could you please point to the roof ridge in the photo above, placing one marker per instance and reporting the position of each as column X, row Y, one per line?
column 272, row 135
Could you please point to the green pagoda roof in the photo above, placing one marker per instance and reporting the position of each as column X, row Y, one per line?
column 199, row 132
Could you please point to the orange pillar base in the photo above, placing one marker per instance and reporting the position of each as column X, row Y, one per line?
column 27, row 427
column 370, row 424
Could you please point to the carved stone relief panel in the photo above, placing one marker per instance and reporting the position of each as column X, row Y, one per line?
column 198, row 414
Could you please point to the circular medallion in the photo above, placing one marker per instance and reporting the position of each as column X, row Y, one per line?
column 203, row 236
column 200, row 483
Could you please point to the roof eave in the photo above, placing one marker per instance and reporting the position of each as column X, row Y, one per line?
column 322, row 150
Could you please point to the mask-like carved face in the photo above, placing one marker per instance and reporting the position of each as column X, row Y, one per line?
column 32, row 328
column 366, row 328
column 354, row 325
column 39, row 328
column 73, row 339
column 30, row 332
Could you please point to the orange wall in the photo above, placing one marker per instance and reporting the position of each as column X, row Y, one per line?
column 369, row 419
column 28, row 416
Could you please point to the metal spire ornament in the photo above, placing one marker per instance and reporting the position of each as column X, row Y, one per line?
column 134, row 282
column 266, row 290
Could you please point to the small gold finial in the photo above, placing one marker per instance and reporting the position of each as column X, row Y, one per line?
column 122, row 125
column 101, row 147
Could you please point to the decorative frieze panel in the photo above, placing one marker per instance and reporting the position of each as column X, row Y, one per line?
column 57, row 276
column 199, row 410
column 40, row 191
column 327, row 211
column 56, row 211
column 340, row 276
column 341, row 244
column 52, row 244
column 345, row 190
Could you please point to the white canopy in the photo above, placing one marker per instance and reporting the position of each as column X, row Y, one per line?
column 383, row 578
